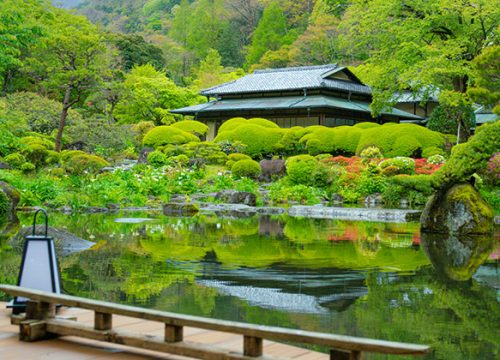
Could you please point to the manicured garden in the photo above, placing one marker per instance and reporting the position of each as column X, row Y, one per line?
column 394, row 163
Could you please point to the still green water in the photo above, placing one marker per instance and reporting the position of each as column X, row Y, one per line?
column 365, row 279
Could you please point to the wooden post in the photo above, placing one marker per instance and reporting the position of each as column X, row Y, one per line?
column 173, row 333
column 252, row 346
column 33, row 330
column 39, row 310
column 103, row 321
column 336, row 354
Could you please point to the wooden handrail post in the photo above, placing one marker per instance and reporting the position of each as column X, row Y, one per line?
column 34, row 327
column 252, row 346
column 173, row 333
column 103, row 321
column 39, row 310
column 337, row 354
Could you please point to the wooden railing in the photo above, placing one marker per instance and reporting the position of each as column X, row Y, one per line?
column 40, row 322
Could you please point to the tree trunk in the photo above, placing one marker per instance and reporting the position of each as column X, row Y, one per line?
column 62, row 120
column 460, row 85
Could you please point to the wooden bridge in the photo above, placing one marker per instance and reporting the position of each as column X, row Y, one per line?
column 181, row 335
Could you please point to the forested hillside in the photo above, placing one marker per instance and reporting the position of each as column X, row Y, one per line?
column 246, row 34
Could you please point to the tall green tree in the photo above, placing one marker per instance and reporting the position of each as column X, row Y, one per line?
column 271, row 33
column 486, row 81
column 70, row 61
column 18, row 30
column 149, row 95
column 420, row 45
column 210, row 72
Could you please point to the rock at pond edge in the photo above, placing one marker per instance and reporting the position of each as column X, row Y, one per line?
column 459, row 210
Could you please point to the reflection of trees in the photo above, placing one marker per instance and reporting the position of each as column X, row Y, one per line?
column 453, row 319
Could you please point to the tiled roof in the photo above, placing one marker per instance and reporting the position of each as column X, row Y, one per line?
column 287, row 79
column 287, row 102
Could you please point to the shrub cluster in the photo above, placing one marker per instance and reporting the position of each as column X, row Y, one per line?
column 166, row 135
column 246, row 168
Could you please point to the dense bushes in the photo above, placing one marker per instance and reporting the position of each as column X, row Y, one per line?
column 400, row 139
column 300, row 168
column 470, row 157
column 165, row 135
column 84, row 163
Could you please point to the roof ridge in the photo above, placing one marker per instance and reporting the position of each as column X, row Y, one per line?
column 217, row 86
column 297, row 68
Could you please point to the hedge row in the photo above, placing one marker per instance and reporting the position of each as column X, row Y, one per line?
column 263, row 137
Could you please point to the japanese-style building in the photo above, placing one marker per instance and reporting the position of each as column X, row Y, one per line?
column 328, row 95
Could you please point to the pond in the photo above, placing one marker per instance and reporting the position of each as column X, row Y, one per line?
column 355, row 278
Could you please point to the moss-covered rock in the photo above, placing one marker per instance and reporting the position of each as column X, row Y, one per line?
column 9, row 198
column 459, row 210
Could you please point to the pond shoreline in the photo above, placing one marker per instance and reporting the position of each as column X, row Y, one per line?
column 241, row 210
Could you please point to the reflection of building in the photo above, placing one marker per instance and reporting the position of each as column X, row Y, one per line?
column 289, row 289
column 328, row 95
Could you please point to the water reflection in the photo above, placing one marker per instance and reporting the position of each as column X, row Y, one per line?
column 346, row 277
column 457, row 258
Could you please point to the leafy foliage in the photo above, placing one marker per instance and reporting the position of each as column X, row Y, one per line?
column 164, row 135
column 246, row 168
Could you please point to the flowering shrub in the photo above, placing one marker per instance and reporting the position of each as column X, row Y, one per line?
column 436, row 159
column 405, row 165
column 423, row 166
column 493, row 169
column 231, row 147
column 371, row 152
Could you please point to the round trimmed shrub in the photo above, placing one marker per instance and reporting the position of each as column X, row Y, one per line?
column 258, row 140
column 300, row 168
column 234, row 123
column 400, row 139
column 232, row 158
column 164, row 135
column 157, row 159
column 366, row 125
column 341, row 140
column 191, row 126
column 15, row 160
column 398, row 165
column 246, row 168
column 82, row 163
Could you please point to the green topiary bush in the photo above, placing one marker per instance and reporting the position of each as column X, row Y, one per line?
column 258, row 140
column 232, row 158
column 341, row 140
column 157, row 159
column 300, row 168
column 388, row 138
column 15, row 160
column 191, row 126
column 84, row 163
column 246, row 168
column 164, row 135
column 234, row 123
